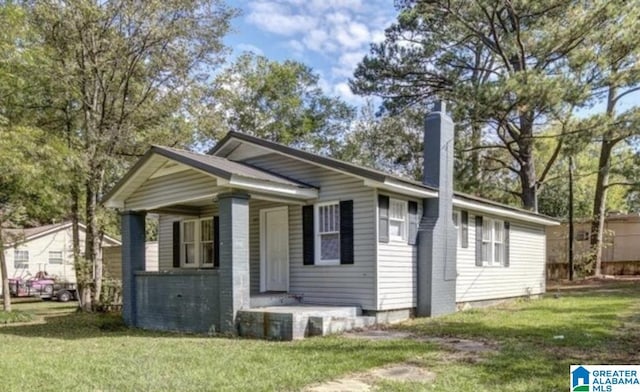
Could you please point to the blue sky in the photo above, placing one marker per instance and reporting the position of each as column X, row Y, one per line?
column 331, row 36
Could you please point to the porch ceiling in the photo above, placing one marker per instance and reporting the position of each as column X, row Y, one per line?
column 161, row 179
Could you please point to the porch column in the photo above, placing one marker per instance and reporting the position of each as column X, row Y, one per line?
column 133, row 259
column 234, row 258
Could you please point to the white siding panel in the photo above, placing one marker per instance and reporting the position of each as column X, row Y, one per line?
column 340, row 284
column 525, row 274
column 397, row 272
column 171, row 189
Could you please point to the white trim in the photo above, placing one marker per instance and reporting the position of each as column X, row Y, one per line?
column 501, row 212
column 253, row 184
column 317, row 235
column 492, row 243
column 263, row 259
column 405, row 220
column 456, row 216
column 163, row 170
column 197, row 243
column 392, row 185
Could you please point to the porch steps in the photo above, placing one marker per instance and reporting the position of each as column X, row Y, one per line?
column 300, row 321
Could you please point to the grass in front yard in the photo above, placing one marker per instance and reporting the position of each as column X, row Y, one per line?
column 15, row 317
column 91, row 352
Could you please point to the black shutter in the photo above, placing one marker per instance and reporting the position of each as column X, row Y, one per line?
column 308, row 248
column 413, row 223
column 176, row 244
column 464, row 217
column 383, row 218
column 478, row 240
column 346, row 232
column 507, row 227
column 216, row 242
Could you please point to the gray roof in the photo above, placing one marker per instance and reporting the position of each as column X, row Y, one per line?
column 222, row 167
column 362, row 171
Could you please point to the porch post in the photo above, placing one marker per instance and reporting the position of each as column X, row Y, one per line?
column 234, row 258
column 133, row 259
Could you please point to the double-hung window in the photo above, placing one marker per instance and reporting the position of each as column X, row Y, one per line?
column 493, row 242
column 20, row 259
column 55, row 257
column 197, row 243
column 328, row 233
column 455, row 216
column 397, row 220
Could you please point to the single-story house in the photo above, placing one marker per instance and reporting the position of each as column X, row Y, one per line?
column 112, row 259
column 255, row 217
column 620, row 254
column 47, row 248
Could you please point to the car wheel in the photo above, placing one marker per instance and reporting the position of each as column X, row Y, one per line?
column 64, row 296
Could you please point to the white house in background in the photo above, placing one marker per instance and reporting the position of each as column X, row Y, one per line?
column 45, row 248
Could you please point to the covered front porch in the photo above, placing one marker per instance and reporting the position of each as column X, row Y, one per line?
column 225, row 238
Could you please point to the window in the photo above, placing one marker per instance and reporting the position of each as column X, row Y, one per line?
column 197, row 243
column 206, row 242
column 20, row 259
column 328, row 233
column 397, row 220
column 492, row 242
column 55, row 257
column 455, row 216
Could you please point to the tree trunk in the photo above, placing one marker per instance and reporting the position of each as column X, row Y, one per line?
column 600, row 205
column 602, row 183
column 528, row 179
column 82, row 280
column 6, row 295
column 91, row 239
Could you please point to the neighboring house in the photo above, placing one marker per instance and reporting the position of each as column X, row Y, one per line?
column 112, row 259
column 46, row 248
column 620, row 255
column 255, row 217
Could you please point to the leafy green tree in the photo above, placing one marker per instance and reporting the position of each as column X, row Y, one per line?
column 279, row 101
column 124, row 74
column 502, row 64
column 32, row 177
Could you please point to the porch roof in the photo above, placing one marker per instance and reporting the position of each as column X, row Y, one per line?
column 159, row 160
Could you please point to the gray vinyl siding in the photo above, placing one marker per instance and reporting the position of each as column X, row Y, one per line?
column 339, row 284
column 165, row 237
column 172, row 188
column 525, row 274
column 397, row 261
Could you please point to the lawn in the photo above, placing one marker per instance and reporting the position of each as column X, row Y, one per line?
column 534, row 341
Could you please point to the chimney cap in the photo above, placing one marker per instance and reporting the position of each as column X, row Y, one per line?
column 440, row 106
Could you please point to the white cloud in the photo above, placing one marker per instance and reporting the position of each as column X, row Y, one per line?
column 278, row 19
column 339, row 31
column 249, row 48
column 347, row 63
column 343, row 90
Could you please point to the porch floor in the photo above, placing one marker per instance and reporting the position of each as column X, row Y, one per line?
column 300, row 321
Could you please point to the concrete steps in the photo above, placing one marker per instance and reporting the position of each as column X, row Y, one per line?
column 300, row 321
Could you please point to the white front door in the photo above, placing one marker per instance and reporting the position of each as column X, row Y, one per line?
column 274, row 249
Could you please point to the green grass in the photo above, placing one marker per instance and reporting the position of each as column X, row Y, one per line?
column 72, row 351
column 15, row 317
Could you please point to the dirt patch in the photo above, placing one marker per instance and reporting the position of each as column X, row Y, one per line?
column 363, row 382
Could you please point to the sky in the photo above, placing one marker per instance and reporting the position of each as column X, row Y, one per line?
column 330, row 36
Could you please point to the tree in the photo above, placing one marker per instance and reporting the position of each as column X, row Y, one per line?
column 32, row 176
column 502, row 64
column 279, row 101
column 124, row 74
column 611, row 58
